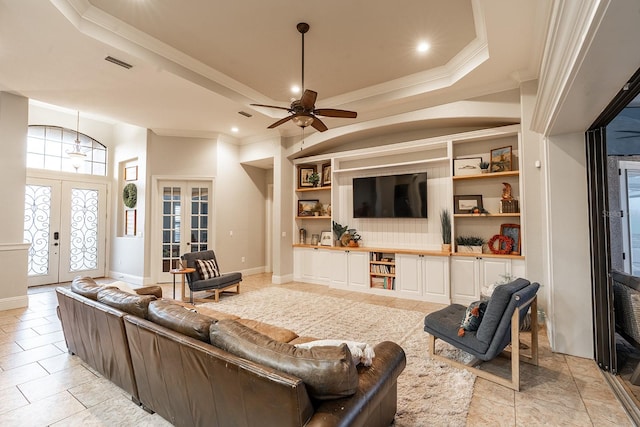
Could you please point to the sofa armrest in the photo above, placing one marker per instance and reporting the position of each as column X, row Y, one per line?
column 154, row 290
column 375, row 401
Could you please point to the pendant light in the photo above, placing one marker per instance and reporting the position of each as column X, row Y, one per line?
column 77, row 157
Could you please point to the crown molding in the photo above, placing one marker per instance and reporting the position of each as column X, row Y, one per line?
column 572, row 27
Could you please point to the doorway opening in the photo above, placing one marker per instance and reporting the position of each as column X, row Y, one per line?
column 613, row 157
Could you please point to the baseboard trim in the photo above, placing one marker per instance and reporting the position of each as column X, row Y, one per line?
column 14, row 302
column 129, row 278
column 279, row 280
column 255, row 270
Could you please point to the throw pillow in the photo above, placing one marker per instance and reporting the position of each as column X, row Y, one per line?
column 472, row 317
column 207, row 268
column 360, row 352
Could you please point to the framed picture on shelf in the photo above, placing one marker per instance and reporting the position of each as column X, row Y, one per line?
column 304, row 173
column 467, row 166
column 513, row 231
column 501, row 159
column 305, row 207
column 326, row 174
column 465, row 204
column 326, row 238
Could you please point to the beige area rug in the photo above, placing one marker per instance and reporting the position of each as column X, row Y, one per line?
column 429, row 392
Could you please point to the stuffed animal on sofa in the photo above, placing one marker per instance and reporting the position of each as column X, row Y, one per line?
column 360, row 352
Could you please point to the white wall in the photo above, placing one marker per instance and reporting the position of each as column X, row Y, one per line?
column 13, row 253
column 534, row 224
column 570, row 303
column 241, row 192
column 129, row 254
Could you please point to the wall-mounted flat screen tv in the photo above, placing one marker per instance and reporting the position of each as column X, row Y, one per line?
column 390, row 196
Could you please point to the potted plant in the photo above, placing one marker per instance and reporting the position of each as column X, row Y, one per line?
column 317, row 209
column 445, row 229
column 338, row 230
column 314, row 179
column 469, row 244
column 484, row 166
column 354, row 238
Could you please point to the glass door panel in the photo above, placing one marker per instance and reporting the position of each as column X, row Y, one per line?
column 184, row 217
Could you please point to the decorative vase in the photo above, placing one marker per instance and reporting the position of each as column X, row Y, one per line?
column 446, row 247
column 484, row 171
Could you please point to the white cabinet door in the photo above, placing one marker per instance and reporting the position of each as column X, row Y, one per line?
column 492, row 270
column 469, row 275
column 464, row 280
column 308, row 265
column 323, row 265
column 349, row 270
column 410, row 272
column 436, row 279
column 518, row 268
column 297, row 263
column 339, row 269
column 311, row 265
column 358, row 269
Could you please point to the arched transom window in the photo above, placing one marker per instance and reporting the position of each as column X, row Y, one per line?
column 47, row 148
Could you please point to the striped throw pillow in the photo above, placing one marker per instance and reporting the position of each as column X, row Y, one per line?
column 207, row 268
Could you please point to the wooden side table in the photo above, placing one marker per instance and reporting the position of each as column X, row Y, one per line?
column 182, row 272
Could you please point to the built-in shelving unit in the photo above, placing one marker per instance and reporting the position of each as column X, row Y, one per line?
column 382, row 270
column 403, row 257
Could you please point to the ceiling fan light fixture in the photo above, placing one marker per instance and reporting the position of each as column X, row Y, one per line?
column 295, row 89
column 302, row 121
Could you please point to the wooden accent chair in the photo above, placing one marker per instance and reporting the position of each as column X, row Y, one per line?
column 500, row 326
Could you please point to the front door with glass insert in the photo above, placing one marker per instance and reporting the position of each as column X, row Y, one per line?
column 184, row 221
column 65, row 223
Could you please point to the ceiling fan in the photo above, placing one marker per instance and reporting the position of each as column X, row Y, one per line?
column 303, row 111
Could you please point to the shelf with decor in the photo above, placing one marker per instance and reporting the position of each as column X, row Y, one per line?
column 486, row 193
column 382, row 270
column 304, row 190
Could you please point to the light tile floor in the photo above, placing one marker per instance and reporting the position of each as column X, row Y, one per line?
column 42, row 385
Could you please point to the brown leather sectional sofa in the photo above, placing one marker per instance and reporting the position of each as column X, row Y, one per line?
column 162, row 354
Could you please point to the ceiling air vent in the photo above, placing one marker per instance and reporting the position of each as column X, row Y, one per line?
column 244, row 113
column 118, row 62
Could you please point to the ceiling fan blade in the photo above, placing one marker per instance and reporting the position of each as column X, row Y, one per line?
column 279, row 122
column 332, row 112
column 308, row 99
column 318, row 125
column 269, row 106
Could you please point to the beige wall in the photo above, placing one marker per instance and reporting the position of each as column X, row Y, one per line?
column 13, row 253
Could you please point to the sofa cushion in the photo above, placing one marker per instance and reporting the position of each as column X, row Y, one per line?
column 87, row 287
column 180, row 319
column 274, row 332
column 207, row 268
column 137, row 305
column 328, row 372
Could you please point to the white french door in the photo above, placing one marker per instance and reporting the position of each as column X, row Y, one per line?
column 65, row 223
column 184, row 221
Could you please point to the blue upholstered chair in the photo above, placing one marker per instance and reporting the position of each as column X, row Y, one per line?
column 499, row 327
column 216, row 284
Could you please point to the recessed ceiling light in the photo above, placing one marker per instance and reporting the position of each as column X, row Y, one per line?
column 295, row 89
column 234, row 129
column 423, row 47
